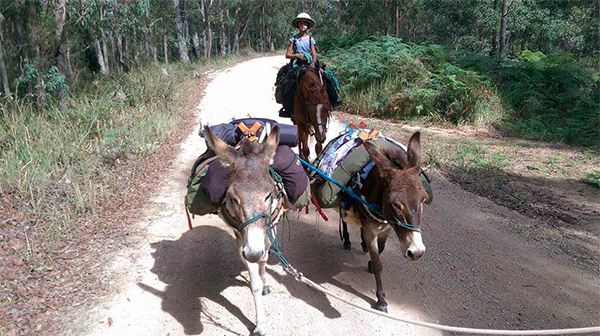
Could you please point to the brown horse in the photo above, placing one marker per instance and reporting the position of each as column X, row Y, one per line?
column 311, row 111
column 395, row 187
column 252, row 205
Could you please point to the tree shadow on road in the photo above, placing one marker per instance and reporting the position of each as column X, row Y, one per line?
column 198, row 266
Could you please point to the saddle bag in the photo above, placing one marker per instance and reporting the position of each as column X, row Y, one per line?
column 330, row 195
column 196, row 200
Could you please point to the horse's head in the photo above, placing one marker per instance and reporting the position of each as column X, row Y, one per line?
column 314, row 92
column 403, row 193
column 251, row 194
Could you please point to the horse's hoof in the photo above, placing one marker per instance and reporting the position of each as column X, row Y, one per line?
column 266, row 290
column 381, row 308
column 369, row 267
column 347, row 246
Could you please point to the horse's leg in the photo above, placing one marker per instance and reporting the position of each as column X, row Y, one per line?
column 318, row 148
column 256, row 285
column 304, row 150
column 375, row 266
column 346, row 235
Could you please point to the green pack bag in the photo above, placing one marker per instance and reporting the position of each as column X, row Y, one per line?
column 198, row 202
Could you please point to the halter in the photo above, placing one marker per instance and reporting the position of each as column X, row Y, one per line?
column 274, row 248
column 278, row 185
column 372, row 211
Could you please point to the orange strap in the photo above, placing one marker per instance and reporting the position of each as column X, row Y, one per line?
column 249, row 133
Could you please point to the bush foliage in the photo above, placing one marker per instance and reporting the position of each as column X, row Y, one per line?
column 536, row 96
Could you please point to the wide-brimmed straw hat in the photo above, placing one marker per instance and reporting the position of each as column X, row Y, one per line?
column 303, row 17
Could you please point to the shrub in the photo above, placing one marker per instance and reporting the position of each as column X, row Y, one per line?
column 384, row 77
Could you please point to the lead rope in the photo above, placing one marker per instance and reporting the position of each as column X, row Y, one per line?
column 301, row 278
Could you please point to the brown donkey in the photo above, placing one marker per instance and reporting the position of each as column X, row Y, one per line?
column 394, row 187
column 252, row 205
column 311, row 111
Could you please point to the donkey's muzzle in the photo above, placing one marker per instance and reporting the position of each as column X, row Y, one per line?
column 252, row 256
column 414, row 254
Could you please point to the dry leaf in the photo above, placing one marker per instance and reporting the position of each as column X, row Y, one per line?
column 13, row 332
column 110, row 321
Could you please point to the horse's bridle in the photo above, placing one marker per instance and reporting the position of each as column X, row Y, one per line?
column 317, row 124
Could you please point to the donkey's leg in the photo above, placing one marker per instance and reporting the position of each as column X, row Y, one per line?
column 363, row 244
column 346, row 236
column 375, row 267
column 266, row 290
column 381, row 239
column 256, row 285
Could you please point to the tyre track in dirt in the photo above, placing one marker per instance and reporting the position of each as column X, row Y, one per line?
column 478, row 270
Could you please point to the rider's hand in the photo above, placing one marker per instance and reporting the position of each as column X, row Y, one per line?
column 312, row 65
column 302, row 57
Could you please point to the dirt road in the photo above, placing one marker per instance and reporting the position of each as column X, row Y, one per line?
column 480, row 269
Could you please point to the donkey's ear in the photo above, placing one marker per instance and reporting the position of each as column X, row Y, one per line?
column 381, row 161
column 414, row 150
column 226, row 153
column 270, row 145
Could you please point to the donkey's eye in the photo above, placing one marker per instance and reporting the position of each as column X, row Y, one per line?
column 234, row 200
column 268, row 197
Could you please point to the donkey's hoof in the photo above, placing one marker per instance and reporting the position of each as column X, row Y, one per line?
column 259, row 332
column 381, row 307
column 266, row 290
column 347, row 246
column 369, row 267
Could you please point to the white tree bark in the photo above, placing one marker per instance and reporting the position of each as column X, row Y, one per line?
column 181, row 42
column 5, row 86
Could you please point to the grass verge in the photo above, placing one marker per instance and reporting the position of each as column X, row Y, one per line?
column 67, row 169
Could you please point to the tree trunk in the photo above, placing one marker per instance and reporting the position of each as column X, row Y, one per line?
column 165, row 47
column 118, row 39
column 60, row 48
column 397, row 21
column 208, row 35
column 149, row 45
column 181, row 43
column 223, row 39
column 196, row 44
column 126, row 55
column 19, row 31
column 5, row 81
column 99, row 55
column 104, row 51
column 503, row 17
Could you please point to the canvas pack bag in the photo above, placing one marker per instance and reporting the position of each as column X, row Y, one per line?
column 330, row 195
